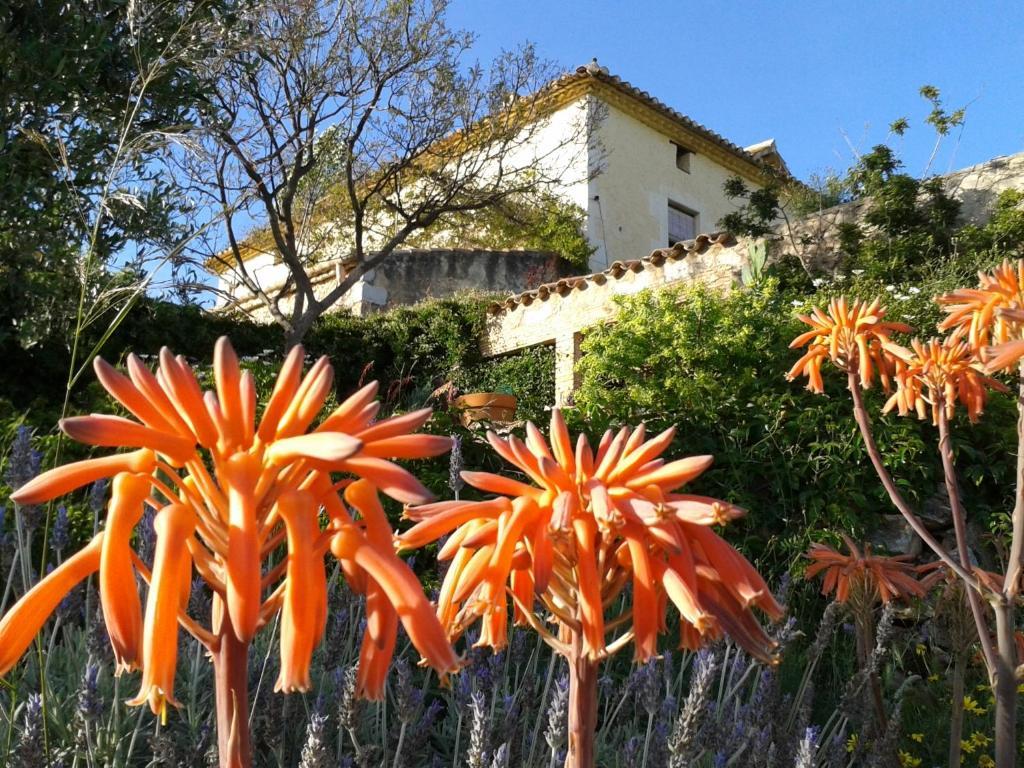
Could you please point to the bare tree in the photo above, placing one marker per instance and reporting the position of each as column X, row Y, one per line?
column 339, row 129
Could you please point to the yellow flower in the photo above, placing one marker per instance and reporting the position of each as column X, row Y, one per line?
column 907, row 760
column 918, row 737
column 972, row 706
column 984, row 761
column 979, row 739
column 933, row 678
column 921, row 650
column 851, row 743
column 966, row 746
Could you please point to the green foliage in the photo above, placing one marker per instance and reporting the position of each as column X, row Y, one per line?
column 539, row 222
column 756, row 217
column 86, row 105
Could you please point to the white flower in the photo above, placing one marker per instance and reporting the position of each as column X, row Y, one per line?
column 914, row 290
column 796, row 302
column 818, row 282
column 890, row 288
column 857, row 271
column 840, row 277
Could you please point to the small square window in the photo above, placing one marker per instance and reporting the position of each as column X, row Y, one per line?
column 683, row 156
column 682, row 224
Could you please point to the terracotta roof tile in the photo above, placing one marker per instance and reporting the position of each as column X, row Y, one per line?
column 601, row 74
column 617, row 270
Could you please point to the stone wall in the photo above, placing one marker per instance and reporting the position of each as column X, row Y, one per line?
column 815, row 238
column 411, row 276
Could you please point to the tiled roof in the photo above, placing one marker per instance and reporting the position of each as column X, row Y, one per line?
column 619, row 268
column 601, row 74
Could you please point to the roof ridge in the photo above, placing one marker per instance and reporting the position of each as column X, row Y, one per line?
column 615, row 270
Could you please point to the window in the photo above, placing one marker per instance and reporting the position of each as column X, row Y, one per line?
column 682, row 224
column 683, row 156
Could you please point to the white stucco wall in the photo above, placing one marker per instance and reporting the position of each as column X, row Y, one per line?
column 628, row 201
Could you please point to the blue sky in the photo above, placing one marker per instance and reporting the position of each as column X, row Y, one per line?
column 818, row 77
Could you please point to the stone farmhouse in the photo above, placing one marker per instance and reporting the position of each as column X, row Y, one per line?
column 645, row 175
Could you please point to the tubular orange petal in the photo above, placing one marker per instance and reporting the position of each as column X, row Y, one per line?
column 684, row 596
column 174, row 524
column 612, row 455
column 486, row 534
column 404, row 592
column 643, row 454
column 146, row 383
column 522, row 587
column 511, row 526
column 589, row 586
column 26, row 617
column 378, row 644
column 308, row 400
column 227, row 375
column 125, row 392
column 543, row 554
column 119, row 594
column 584, row 458
column 536, row 443
column 241, row 473
column 485, row 481
column 325, row 447
column 115, row 432
column 61, row 480
column 344, row 418
column 474, row 572
column 187, row 395
column 285, row 387
column 1000, row 357
column 438, row 525
column 561, row 444
column 247, row 392
column 390, row 478
column 395, row 426
column 447, row 608
column 672, row 475
column 408, row 447
column 305, row 594
column 645, row 601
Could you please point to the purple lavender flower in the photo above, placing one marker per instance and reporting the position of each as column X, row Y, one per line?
column 31, row 752
column 23, row 462
column 97, row 495
column 61, row 535
column 90, row 702
column 455, row 466
column 557, row 729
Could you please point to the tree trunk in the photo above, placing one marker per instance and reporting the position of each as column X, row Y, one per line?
column 1006, row 687
column 231, row 679
column 582, row 708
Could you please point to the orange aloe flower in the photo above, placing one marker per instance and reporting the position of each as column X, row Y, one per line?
column 865, row 574
column 939, row 374
column 584, row 526
column 851, row 336
column 991, row 315
column 238, row 501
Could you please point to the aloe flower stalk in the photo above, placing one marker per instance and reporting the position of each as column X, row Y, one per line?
column 986, row 327
column 239, row 504
column 559, row 551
